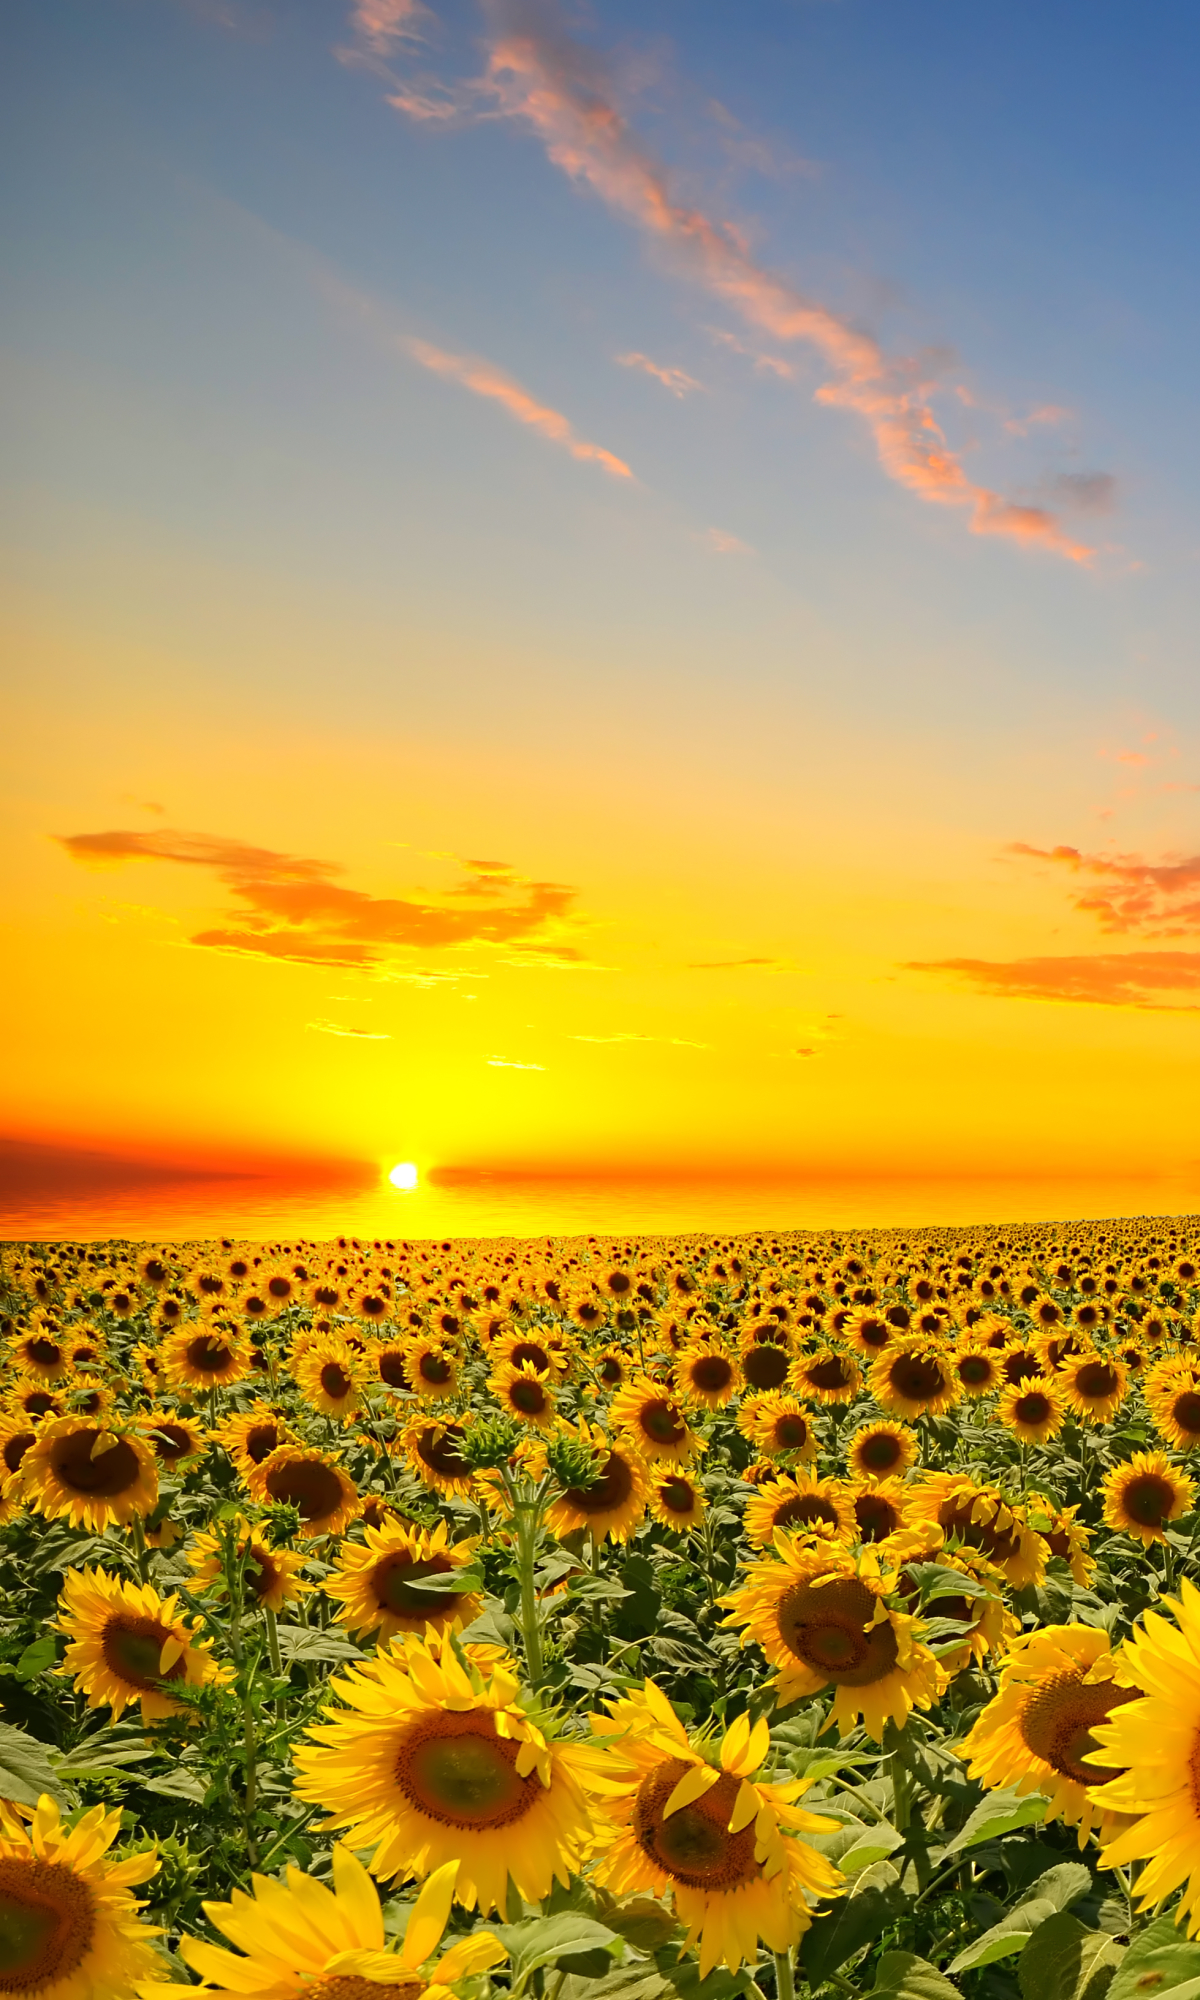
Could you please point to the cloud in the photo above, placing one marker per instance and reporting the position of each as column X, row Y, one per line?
column 1049, row 414
column 664, row 1041
column 292, row 909
column 1088, row 492
column 674, row 379
column 358, row 1034
column 1132, row 895
column 740, row 965
column 384, row 23
column 726, row 545
column 1113, row 979
column 498, row 1062
column 483, row 379
column 549, row 83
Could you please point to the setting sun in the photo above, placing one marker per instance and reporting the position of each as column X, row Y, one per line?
column 404, row 1175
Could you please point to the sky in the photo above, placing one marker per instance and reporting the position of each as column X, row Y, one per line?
column 602, row 595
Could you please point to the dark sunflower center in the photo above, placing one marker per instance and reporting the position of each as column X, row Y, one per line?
column 766, row 1367
column 45, row 1353
column 441, row 1454
column 391, row 1368
column 955, row 1519
column 1148, row 1499
column 279, row 1288
column 791, row 1433
column 325, row 1295
column 917, row 1377
column 37, row 1402
column 876, row 1516
column 47, row 1924
column 1034, row 1408
column 108, row 1475
column 1059, row 1717
column 391, row 1581
column 435, row 1368
column 308, row 1485
column 609, row 1492
column 262, row 1575
column 711, row 1374
column 261, row 1441
column 880, row 1453
column 132, row 1647
column 335, row 1381
column 1096, row 1381
column 825, row 1625
column 353, row 1986
column 1186, row 1412
column 874, row 1333
column 456, row 1770
column 16, row 1447
column 206, row 1356
column 531, row 1350
column 610, row 1371
column 372, row 1307
column 528, row 1397
column 805, row 1507
column 694, row 1846
column 677, row 1496
column 830, row 1373
column 662, row 1422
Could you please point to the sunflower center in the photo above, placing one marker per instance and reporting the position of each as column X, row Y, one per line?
column 307, row 1484
column 109, row 1474
column 711, row 1373
column 37, row 1403
column 610, row 1491
column 677, row 1496
column 1097, row 1380
column 325, row 1295
column 206, row 1356
column 917, row 1377
column 435, row 1368
column 610, row 1371
column 825, row 1625
column 805, row 1507
column 1035, row 1408
column 261, row 1441
column 694, row 1846
column 391, row 1368
column 1058, row 1719
column 766, row 1367
column 528, row 1397
column 47, row 1923
column 261, row 1573
column 335, row 1381
column 132, row 1648
column 353, row 1986
column 16, row 1447
column 171, row 1441
column 391, row 1582
column 876, row 1516
column 880, row 1453
column 1186, row 1412
column 791, row 1433
column 975, row 1370
column 441, row 1454
column 455, row 1769
column 661, row 1421
column 1148, row 1499
column 955, row 1519
column 46, row 1353
column 830, row 1373
column 531, row 1350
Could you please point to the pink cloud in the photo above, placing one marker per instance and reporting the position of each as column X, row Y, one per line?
column 483, row 379
column 382, row 23
column 726, row 545
column 550, row 84
column 673, row 379
column 1131, row 895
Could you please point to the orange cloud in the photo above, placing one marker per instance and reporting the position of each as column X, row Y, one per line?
column 557, row 88
column 381, row 23
column 293, row 910
column 674, row 379
column 1113, row 979
column 482, row 379
column 1155, row 898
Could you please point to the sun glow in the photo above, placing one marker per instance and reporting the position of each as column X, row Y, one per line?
column 404, row 1175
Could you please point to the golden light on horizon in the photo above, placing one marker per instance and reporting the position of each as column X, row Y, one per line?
column 404, row 1175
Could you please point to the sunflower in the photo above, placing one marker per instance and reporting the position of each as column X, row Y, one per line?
column 40, row 1353
column 1064, row 1536
column 826, row 1374
column 976, row 1369
column 1032, row 1409
column 1152, row 1745
column 146, row 1362
column 173, row 1439
column 1019, row 1361
column 311, row 1481
column 127, row 1644
column 979, row 1607
column 433, row 1369
column 868, row 1332
column 1174, row 1402
column 299, row 1939
column 89, row 1475
column 984, row 1519
column 1057, row 1685
column 199, row 1358
column 250, row 1436
column 330, row 1376
column 434, row 1452
column 677, row 1498
column 615, row 1502
column 389, row 1359
column 589, row 1312
column 611, row 1366
column 766, row 1363
column 83, row 1396
column 518, row 1346
column 71, row 1929
column 270, row 1576
column 879, row 1507
column 33, row 1399
column 1143, row 1495
column 1095, row 1385
column 720, row 1839
column 648, row 1414
column 779, row 1425
column 523, row 1393
column 914, row 1378
column 16, row 1436
column 795, row 1504
column 882, row 1450
column 707, row 1375
column 821, row 1616
column 374, row 1581
column 433, row 1759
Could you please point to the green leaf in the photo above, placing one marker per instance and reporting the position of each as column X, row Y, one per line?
column 446, row 1584
column 874, row 1844
column 874, row 1902
column 105, row 1760
column 1052, row 1892
column 569, row 1941
column 1067, row 1962
column 26, row 1770
column 1000, row 1812
column 181, row 1784
column 936, row 1580
column 36, row 1658
column 637, row 1981
column 902, row 1976
column 305, row 1642
column 1161, row 1964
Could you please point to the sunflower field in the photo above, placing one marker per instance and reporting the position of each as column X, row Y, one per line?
column 638, row 1619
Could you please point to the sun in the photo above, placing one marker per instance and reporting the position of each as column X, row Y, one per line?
column 403, row 1176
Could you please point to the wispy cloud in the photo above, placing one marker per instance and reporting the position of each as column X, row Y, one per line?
column 383, row 24
column 292, row 909
column 740, row 965
column 498, row 1062
column 483, row 379
column 663, row 1041
column 1113, row 979
column 675, row 379
column 356, row 1034
column 1087, row 492
column 723, row 544
column 1132, row 895
column 544, row 80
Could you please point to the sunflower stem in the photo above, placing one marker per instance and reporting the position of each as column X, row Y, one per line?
column 785, row 1985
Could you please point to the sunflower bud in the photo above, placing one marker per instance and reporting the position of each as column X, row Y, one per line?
column 490, row 1443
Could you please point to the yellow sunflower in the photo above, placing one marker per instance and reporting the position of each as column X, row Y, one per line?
column 868, row 1332
column 1033, row 1409
column 271, row 1577
column 525, row 1394
column 794, row 1504
column 431, row 1760
column 1057, row 1685
column 41, row 1353
column 250, row 1436
column 433, row 1451
column 721, row 1840
column 828, row 1375
column 1173, row 1397
column 914, row 1378
column 16, row 1436
column 820, row 1614
column 882, row 1451
column 990, row 1626
column 1152, row 1746
column 611, row 1366
column 88, row 1475
column 766, row 1363
column 127, row 1644
column 33, row 1399
column 1063, row 1535
column 311, row 1481
column 298, row 1940
column 1142, row 1496
column 976, row 1369
column 374, row 1580
column 389, row 1359
column 1095, row 1385
column 71, row 1929
column 146, row 1362
column 331, row 1376
column 677, row 1498
column 650, row 1415
column 433, row 1369
column 984, row 1519
column 779, row 1425
column 173, row 1439
column 197, row 1357
column 879, row 1507
column 707, row 1375
column 615, row 1503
